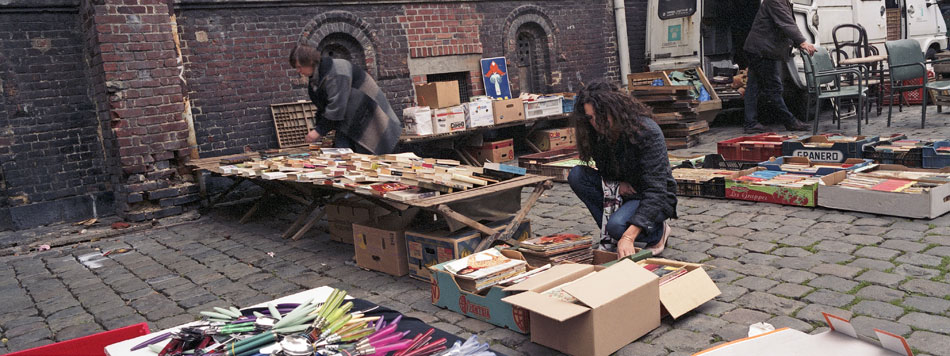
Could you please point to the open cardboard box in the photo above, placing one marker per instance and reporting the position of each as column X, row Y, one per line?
column 486, row 306
column 930, row 204
column 617, row 305
column 806, row 195
column 851, row 164
column 381, row 246
column 840, row 340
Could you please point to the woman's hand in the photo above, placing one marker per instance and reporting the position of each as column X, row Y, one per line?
column 626, row 190
column 625, row 245
column 313, row 135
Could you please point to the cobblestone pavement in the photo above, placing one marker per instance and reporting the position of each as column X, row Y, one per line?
column 778, row 264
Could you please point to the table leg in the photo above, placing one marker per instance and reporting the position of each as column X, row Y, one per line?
column 505, row 234
column 257, row 205
column 300, row 220
column 203, row 187
column 221, row 196
column 306, row 227
column 533, row 147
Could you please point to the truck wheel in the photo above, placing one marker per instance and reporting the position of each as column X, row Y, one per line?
column 931, row 53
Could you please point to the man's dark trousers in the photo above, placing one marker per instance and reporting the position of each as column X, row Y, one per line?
column 764, row 86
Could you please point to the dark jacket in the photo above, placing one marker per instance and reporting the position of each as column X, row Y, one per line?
column 774, row 31
column 349, row 101
column 643, row 163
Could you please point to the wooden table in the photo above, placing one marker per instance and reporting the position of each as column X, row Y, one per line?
column 317, row 196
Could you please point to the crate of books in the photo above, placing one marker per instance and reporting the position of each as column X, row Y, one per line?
column 903, row 152
column 803, row 165
column 827, row 147
column 756, row 148
column 936, row 156
column 889, row 190
column 701, row 182
column 716, row 161
column 760, row 185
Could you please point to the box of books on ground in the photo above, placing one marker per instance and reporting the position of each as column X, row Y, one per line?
column 889, row 190
column 803, row 165
column 455, row 287
column 381, row 244
column 683, row 286
column 557, row 249
column 840, row 339
column 702, row 182
column 432, row 245
column 589, row 310
column 760, row 185
column 937, row 155
column 827, row 147
column 900, row 151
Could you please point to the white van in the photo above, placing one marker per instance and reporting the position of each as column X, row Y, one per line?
column 685, row 33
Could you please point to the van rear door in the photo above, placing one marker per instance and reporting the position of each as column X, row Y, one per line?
column 673, row 38
column 924, row 22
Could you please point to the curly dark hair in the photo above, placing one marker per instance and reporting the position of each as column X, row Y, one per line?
column 627, row 114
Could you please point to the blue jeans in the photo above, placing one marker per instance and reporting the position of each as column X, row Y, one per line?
column 586, row 183
column 764, row 86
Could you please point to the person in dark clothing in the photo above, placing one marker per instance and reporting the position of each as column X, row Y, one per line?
column 768, row 46
column 348, row 101
column 632, row 182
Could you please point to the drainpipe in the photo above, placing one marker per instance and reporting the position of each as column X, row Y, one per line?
column 622, row 46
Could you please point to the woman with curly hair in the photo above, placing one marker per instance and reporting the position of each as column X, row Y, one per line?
column 631, row 193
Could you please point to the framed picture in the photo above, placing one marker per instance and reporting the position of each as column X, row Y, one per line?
column 495, row 77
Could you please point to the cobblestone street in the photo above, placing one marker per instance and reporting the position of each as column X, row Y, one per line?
column 776, row 264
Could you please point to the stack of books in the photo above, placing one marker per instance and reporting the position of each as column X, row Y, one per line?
column 665, row 272
column 886, row 184
column 699, row 175
column 779, row 179
column 557, row 249
column 482, row 270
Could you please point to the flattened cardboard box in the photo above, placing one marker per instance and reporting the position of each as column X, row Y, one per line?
column 841, row 340
column 488, row 307
column 930, row 204
column 617, row 305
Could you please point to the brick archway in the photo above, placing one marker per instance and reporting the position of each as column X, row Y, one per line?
column 533, row 19
column 333, row 24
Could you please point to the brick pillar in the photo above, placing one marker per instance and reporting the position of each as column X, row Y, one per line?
column 134, row 71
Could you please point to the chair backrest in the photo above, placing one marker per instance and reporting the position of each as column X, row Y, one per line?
column 859, row 46
column 903, row 52
column 816, row 63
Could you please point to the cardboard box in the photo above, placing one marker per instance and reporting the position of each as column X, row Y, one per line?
column 509, row 110
column 930, row 204
column 431, row 247
column 438, row 95
column 841, row 339
column 488, row 307
column 805, row 196
column 495, row 152
column 381, row 246
column 686, row 292
column 342, row 214
column 479, row 113
column 818, row 148
column 851, row 164
column 554, row 139
column 417, row 120
column 618, row 304
column 448, row 120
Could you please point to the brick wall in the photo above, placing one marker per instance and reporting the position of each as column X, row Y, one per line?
column 441, row 29
column 636, row 11
column 51, row 155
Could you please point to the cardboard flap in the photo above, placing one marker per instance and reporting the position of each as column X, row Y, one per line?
column 893, row 342
column 544, row 278
column 840, row 325
column 688, row 292
column 608, row 284
column 547, row 306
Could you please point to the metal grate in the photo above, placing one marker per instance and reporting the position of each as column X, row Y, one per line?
column 461, row 77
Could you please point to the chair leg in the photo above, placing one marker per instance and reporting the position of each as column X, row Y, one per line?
column 838, row 111
column 807, row 106
column 890, row 105
column 923, row 107
column 817, row 115
column 858, row 113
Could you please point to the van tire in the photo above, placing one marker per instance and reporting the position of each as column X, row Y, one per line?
column 931, row 53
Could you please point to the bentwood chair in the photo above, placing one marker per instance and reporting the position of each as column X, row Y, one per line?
column 907, row 63
column 858, row 48
column 824, row 82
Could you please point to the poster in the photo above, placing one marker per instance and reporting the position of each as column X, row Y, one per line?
column 495, row 77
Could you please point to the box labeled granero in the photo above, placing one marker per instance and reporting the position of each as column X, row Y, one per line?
column 447, row 120
column 553, row 139
column 487, row 306
column 929, row 204
column 381, row 246
column 840, row 339
column 495, row 151
column 797, row 195
column 429, row 247
column 438, row 95
column 614, row 306
column 827, row 148
column 509, row 110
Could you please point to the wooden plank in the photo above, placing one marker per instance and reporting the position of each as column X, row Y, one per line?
column 477, row 192
column 306, row 227
column 505, row 235
column 257, row 205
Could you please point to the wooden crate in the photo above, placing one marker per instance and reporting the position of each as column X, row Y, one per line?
column 646, row 78
column 293, row 121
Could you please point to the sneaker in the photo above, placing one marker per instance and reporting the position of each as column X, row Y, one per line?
column 758, row 128
column 658, row 247
column 797, row 126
